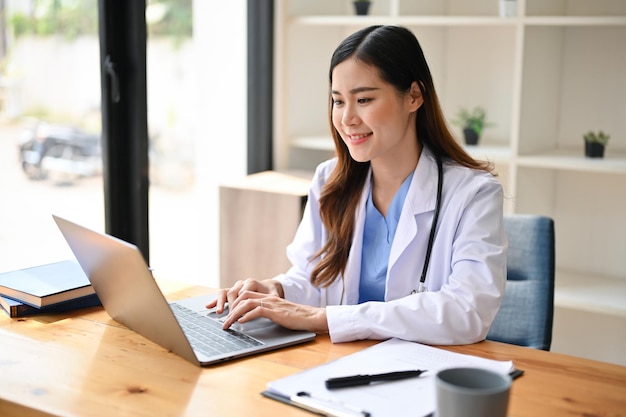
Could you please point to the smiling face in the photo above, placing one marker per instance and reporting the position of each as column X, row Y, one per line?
column 374, row 119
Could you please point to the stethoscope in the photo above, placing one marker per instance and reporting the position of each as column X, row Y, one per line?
column 431, row 238
column 433, row 226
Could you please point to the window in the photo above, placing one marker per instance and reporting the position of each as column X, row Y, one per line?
column 49, row 127
column 196, row 121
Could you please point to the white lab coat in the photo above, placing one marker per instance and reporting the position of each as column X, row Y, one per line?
column 466, row 275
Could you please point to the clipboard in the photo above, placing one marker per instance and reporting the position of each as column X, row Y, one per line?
column 390, row 398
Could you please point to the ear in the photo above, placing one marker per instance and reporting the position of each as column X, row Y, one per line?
column 414, row 97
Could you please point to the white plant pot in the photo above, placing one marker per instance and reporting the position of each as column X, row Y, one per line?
column 508, row 8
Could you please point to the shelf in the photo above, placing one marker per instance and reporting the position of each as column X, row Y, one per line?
column 573, row 160
column 574, row 21
column 494, row 153
column 348, row 20
column 489, row 152
column 590, row 293
column 405, row 20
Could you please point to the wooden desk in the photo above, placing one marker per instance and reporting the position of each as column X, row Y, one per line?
column 85, row 364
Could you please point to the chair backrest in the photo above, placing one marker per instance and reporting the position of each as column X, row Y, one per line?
column 525, row 317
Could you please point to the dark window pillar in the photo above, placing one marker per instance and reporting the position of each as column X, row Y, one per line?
column 122, row 26
column 260, row 84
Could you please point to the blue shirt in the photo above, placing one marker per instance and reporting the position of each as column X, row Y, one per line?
column 378, row 234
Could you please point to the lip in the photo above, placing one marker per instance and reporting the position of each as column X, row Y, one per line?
column 357, row 138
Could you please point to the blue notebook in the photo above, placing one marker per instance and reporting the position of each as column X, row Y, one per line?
column 46, row 285
column 15, row 308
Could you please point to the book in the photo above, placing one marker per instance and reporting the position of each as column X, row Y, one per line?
column 307, row 389
column 15, row 308
column 45, row 285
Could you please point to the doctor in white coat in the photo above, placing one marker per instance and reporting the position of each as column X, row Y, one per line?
column 364, row 262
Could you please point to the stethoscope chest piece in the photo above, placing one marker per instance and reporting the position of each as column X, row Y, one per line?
column 420, row 289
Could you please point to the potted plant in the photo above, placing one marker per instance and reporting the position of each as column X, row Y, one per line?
column 595, row 143
column 362, row 7
column 473, row 122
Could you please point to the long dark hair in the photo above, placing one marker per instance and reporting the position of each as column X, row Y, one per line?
column 398, row 57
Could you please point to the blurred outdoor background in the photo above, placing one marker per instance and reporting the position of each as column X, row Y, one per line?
column 50, row 126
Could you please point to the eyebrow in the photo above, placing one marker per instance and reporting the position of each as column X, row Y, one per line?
column 356, row 90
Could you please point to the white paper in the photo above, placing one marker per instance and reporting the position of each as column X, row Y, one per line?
column 413, row 396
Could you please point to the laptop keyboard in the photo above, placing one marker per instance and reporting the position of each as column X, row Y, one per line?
column 206, row 334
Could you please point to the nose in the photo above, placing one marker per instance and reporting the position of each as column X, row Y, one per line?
column 349, row 116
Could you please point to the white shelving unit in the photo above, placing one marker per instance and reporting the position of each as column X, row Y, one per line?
column 546, row 76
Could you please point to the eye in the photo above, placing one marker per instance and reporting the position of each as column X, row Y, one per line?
column 337, row 102
column 364, row 100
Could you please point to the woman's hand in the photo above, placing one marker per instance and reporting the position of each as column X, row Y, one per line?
column 251, row 299
column 230, row 295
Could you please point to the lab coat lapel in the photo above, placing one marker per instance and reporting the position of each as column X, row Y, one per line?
column 421, row 198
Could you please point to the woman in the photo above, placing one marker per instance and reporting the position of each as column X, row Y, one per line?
column 361, row 247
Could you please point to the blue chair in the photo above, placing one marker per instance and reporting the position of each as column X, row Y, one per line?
column 525, row 317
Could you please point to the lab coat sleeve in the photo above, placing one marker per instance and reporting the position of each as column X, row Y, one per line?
column 465, row 281
column 308, row 240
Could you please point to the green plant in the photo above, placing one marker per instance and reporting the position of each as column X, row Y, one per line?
column 475, row 119
column 600, row 137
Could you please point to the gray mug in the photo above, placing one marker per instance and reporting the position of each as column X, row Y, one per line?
column 472, row 392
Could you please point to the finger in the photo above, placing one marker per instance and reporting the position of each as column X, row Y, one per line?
column 215, row 301
column 243, row 295
column 243, row 288
column 246, row 310
column 233, row 292
column 249, row 284
column 220, row 301
column 259, row 310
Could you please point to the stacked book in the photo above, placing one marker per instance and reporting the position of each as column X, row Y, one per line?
column 50, row 288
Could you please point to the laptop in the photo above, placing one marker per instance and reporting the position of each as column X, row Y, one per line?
column 130, row 295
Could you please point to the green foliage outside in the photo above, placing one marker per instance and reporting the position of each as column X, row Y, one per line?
column 49, row 17
column 73, row 18
column 177, row 20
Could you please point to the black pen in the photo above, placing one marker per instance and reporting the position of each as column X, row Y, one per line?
column 357, row 380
